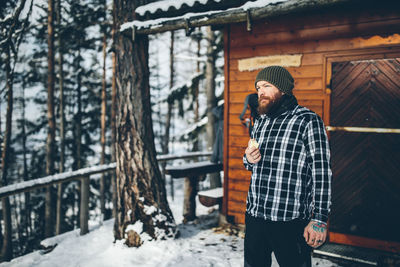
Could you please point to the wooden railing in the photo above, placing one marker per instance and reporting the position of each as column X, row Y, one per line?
column 84, row 176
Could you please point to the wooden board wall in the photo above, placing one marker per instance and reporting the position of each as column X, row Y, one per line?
column 316, row 36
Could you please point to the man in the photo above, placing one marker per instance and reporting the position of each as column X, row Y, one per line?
column 289, row 195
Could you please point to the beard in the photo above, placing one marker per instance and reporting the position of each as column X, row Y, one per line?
column 265, row 106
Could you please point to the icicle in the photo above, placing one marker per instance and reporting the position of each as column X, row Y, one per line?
column 133, row 33
column 188, row 28
column 248, row 19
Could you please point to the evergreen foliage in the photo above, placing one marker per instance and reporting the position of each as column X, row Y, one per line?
column 80, row 32
column 81, row 35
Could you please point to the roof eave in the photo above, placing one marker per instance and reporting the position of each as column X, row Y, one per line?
column 234, row 15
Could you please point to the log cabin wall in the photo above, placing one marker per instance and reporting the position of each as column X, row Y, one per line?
column 319, row 37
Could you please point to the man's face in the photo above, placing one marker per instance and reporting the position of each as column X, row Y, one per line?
column 268, row 95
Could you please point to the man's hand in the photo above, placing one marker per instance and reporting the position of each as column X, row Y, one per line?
column 315, row 234
column 252, row 152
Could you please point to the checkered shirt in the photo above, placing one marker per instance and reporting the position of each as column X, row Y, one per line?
column 293, row 178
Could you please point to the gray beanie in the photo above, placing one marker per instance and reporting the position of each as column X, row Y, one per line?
column 278, row 76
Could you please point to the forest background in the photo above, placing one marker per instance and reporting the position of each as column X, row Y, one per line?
column 48, row 130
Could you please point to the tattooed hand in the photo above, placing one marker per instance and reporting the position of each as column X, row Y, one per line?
column 315, row 234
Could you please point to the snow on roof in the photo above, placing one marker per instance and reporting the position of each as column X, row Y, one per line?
column 260, row 3
column 165, row 5
column 156, row 23
column 200, row 16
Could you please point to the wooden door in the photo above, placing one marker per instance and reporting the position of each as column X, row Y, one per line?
column 366, row 165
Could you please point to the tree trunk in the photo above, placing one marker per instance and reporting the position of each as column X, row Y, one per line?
column 141, row 190
column 17, row 210
column 7, row 246
column 215, row 180
column 165, row 147
column 27, row 196
column 78, row 118
column 196, row 95
column 1, row 163
column 6, row 251
column 78, row 131
column 113, row 120
column 59, row 217
column 103, row 119
column 189, row 201
column 49, row 214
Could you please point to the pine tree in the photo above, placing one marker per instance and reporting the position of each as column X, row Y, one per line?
column 59, row 213
column 141, row 192
column 113, row 118
column 51, row 135
column 79, row 63
column 13, row 30
column 103, row 184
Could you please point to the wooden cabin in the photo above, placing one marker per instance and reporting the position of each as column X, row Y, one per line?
column 346, row 64
column 345, row 59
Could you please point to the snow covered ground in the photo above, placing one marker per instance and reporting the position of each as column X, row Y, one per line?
column 199, row 244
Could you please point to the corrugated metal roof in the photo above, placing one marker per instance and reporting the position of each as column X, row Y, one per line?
column 173, row 8
column 169, row 16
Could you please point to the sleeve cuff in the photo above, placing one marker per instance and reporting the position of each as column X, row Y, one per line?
column 247, row 165
column 320, row 218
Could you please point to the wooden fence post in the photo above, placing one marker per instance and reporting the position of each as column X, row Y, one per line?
column 189, row 201
column 84, row 216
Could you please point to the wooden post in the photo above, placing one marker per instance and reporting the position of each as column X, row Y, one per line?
column 189, row 202
column 84, row 215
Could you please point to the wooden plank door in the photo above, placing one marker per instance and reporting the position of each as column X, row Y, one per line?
column 366, row 165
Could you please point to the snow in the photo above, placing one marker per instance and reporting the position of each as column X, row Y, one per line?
column 192, row 128
column 181, row 155
column 195, row 126
column 137, row 227
column 149, row 209
column 200, row 244
column 201, row 59
column 212, row 193
column 166, row 4
column 7, row 18
column 55, row 178
column 156, row 23
column 178, row 88
column 260, row 3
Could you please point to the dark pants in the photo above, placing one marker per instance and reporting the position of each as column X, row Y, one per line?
column 285, row 239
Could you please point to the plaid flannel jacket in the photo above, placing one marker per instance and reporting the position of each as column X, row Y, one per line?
column 293, row 178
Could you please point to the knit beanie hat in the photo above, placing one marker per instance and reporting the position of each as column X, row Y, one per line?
column 278, row 76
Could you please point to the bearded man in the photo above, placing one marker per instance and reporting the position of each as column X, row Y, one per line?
column 289, row 195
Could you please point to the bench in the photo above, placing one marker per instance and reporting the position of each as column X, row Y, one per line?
column 211, row 197
column 191, row 172
column 193, row 169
